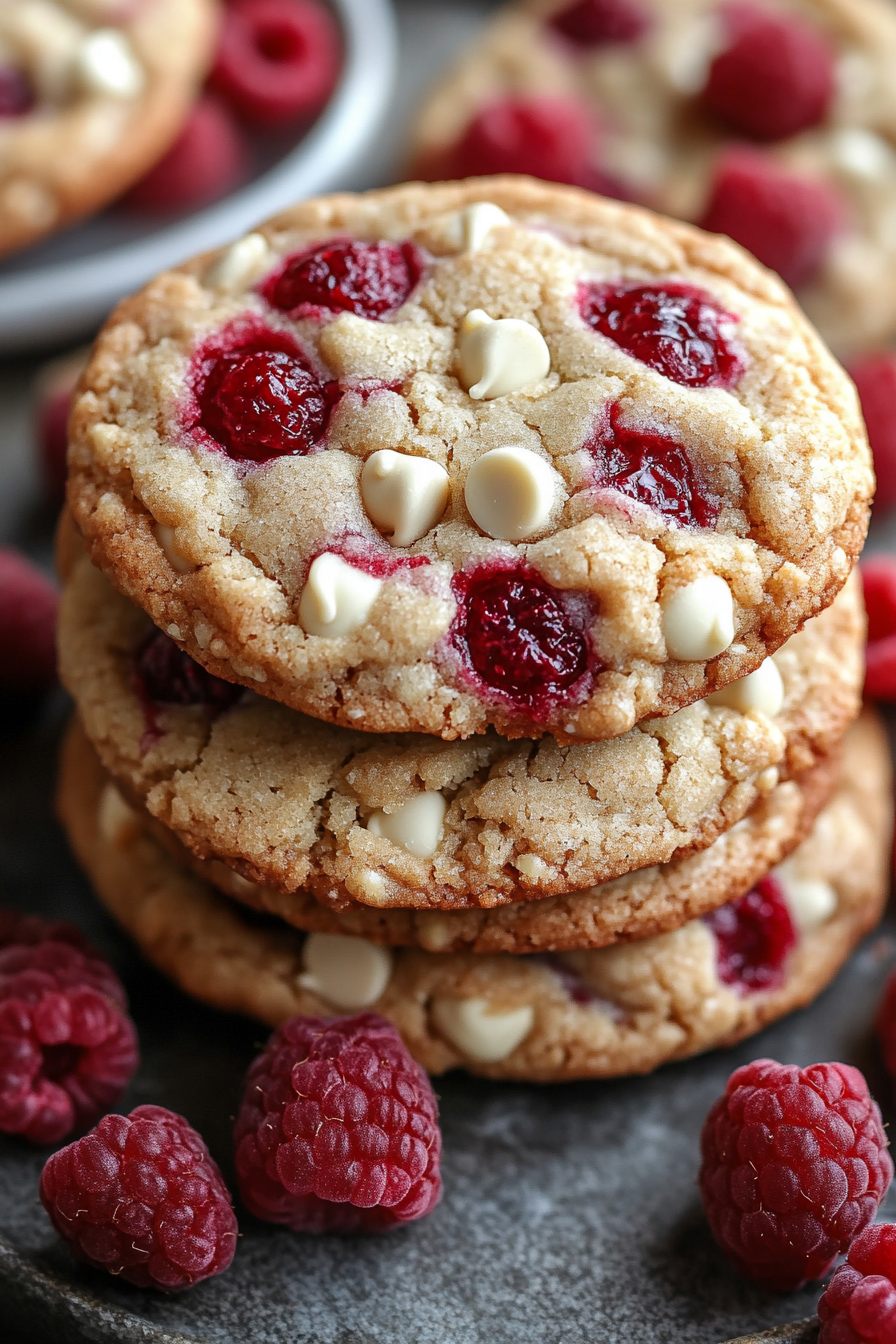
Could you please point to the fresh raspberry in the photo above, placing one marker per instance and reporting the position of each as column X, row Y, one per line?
column 16, row 94
column 206, row 161
column 67, row 1046
column 879, row 582
column 859, row 1304
column 676, row 329
column 369, row 279
column 166, row 675
column 28, row 602
column 597, row 23
column 523, row 639
column 277, row 60
column 875, row 377
column 338, row 1130
column 140, row 1197
column 795, row 1165
column 776, row 76
column 787, row 222
column 753, row 937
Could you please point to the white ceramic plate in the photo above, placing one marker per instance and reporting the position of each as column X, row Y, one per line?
column 63, row 289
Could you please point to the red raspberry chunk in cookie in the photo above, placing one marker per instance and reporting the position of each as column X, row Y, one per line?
column 524, row 640
column 596, row 23
column 277, row 60
column 371, row 280
column 859, row 1304
column 787, row 222
column 206, row 161
column 875, row 378
column 676, row 329
column 16, row 94
column 166, row 675
column 774, row 78
column 879, row 582
column 28, row 602
column 651, row 467
column 753, row 937
column 795, row 1164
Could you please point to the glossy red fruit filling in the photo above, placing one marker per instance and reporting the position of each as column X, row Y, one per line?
column 16, row 94
column 166, row 675
column 753, row 937
column 875, row 378
column 262, row 399
column 787, row 222
column 879, row 581
column 207, row 160
column 597, row 23
column 676, row 329
column 372, row 280
column 277, row 60
column 524, row 640
column 652, row 468
column 775, row 77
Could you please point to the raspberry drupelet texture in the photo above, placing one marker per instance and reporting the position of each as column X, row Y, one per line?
column 140, row 1197
column 338, row 1130
column 879, row 584
column 859, row 1304
column 795, row 1165
column 67, row 1046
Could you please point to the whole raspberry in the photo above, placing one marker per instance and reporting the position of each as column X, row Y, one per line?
column 787, row 222
column 875, row 377
column 795, row 1164
column 879, row 582
column 597, row 23
column 141, row 1197
column 277, row 60
column 338, row 1130
column 774, row 78
column 67, row 1046
column 206, row 161
column 859, row 1304
column 28, row 602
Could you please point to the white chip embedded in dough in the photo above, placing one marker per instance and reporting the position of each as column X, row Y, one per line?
column 350, row 973
column 165, row 537
column 477, row 221
column 107, row 66
column 811, row 900
column 698, row 619
column 337, row 598
column 242, row 263
column 415, row 826
column 762, row 690
column 479, row 1032
column 404, row 496
column 510, row 493
column 116, row 820
column 500, row 357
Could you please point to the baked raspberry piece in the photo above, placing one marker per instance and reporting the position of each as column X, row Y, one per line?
column 16, row 94
column 166, row 675
column 338, row 1129
column 787, row 222
column 140, row 1197
column 523, row 639
column 372, row 280
column 676, row 329
column 859, row 1304
column 753, row 934
column 28, row 603
column 597, row 23
column 775, row 77
column 207, row 160
column 875, row 377
column 277, row 60
column 795, row 1165
column 652, row 468
column 879, row 583
column 67, row 1046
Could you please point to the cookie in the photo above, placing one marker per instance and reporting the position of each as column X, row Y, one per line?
column 410, row 821
column 773, row 122
column 378, row 462
column 92, row 93
column 641, row 904
column 604, row 1013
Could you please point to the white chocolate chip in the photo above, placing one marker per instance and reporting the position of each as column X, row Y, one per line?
column 165, row 537
column 811, row 901
column 500, row 357
column 350, row 973
column 698, row 620
column 337, row 598
column 531, row 866
column 476, row 223
column 861, row 153
column 767, row 779
column 415, row 826
column 116, row 821
column 762, row 690
column 479, row 1033
column 404, row 496
column 242, row 263
column 510, row 493
column 107, row 66
column 175, row 631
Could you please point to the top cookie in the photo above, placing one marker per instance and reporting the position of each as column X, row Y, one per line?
column 773, row 121
column 489, row 453
column 92, row 92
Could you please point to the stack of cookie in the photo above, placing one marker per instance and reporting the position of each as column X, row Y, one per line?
column 460, row 615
